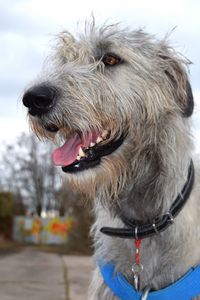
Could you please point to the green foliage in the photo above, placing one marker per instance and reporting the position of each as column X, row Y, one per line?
column 6, row 204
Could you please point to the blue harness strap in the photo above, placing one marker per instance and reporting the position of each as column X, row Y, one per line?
column 185, row 288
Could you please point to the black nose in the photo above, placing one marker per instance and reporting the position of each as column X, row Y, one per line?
column 39, row 100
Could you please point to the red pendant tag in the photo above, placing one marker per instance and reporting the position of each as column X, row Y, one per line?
column 137, row 251
column 137, row 267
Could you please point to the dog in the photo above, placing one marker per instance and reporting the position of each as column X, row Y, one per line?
column 119, row 103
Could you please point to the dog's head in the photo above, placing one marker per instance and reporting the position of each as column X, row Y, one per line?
column 111, row 97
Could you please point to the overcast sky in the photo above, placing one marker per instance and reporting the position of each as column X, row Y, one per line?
column 27, row 26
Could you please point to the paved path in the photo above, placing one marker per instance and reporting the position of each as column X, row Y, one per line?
column 33, row 275
column 79, row 273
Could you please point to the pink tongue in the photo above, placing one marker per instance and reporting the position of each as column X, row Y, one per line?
column 67, row 154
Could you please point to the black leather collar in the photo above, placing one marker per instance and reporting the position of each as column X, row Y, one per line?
column 139, row 230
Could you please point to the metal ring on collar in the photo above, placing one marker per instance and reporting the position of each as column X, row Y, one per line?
column 171, row 218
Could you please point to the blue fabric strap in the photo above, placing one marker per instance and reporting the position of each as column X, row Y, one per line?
column 185, row 288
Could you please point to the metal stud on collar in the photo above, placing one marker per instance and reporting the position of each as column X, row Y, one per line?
column 155, row 228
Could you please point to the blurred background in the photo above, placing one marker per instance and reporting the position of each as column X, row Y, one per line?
column 36, row 209
column 27, row 31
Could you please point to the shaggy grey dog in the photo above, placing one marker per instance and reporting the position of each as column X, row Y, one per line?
column 119, row 102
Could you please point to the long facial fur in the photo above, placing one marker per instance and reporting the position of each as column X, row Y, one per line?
column 137, row 94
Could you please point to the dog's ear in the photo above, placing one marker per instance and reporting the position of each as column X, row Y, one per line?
column 176, row 73
column 190, row 101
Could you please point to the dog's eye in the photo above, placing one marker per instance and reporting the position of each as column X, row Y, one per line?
column 111, row 59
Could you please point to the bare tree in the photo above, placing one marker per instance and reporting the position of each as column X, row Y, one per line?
column 29, row 172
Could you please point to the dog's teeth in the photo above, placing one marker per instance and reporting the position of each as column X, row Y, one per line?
column 78, row 157
column 81, row 153
column 99, row 140
column 92, row 144
column 104, row 134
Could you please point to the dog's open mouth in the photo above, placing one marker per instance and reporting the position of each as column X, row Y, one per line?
column 82, row 152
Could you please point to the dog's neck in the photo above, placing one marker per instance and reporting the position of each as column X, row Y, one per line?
column 145, row 202
column 138, row 229
column 151, row 193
